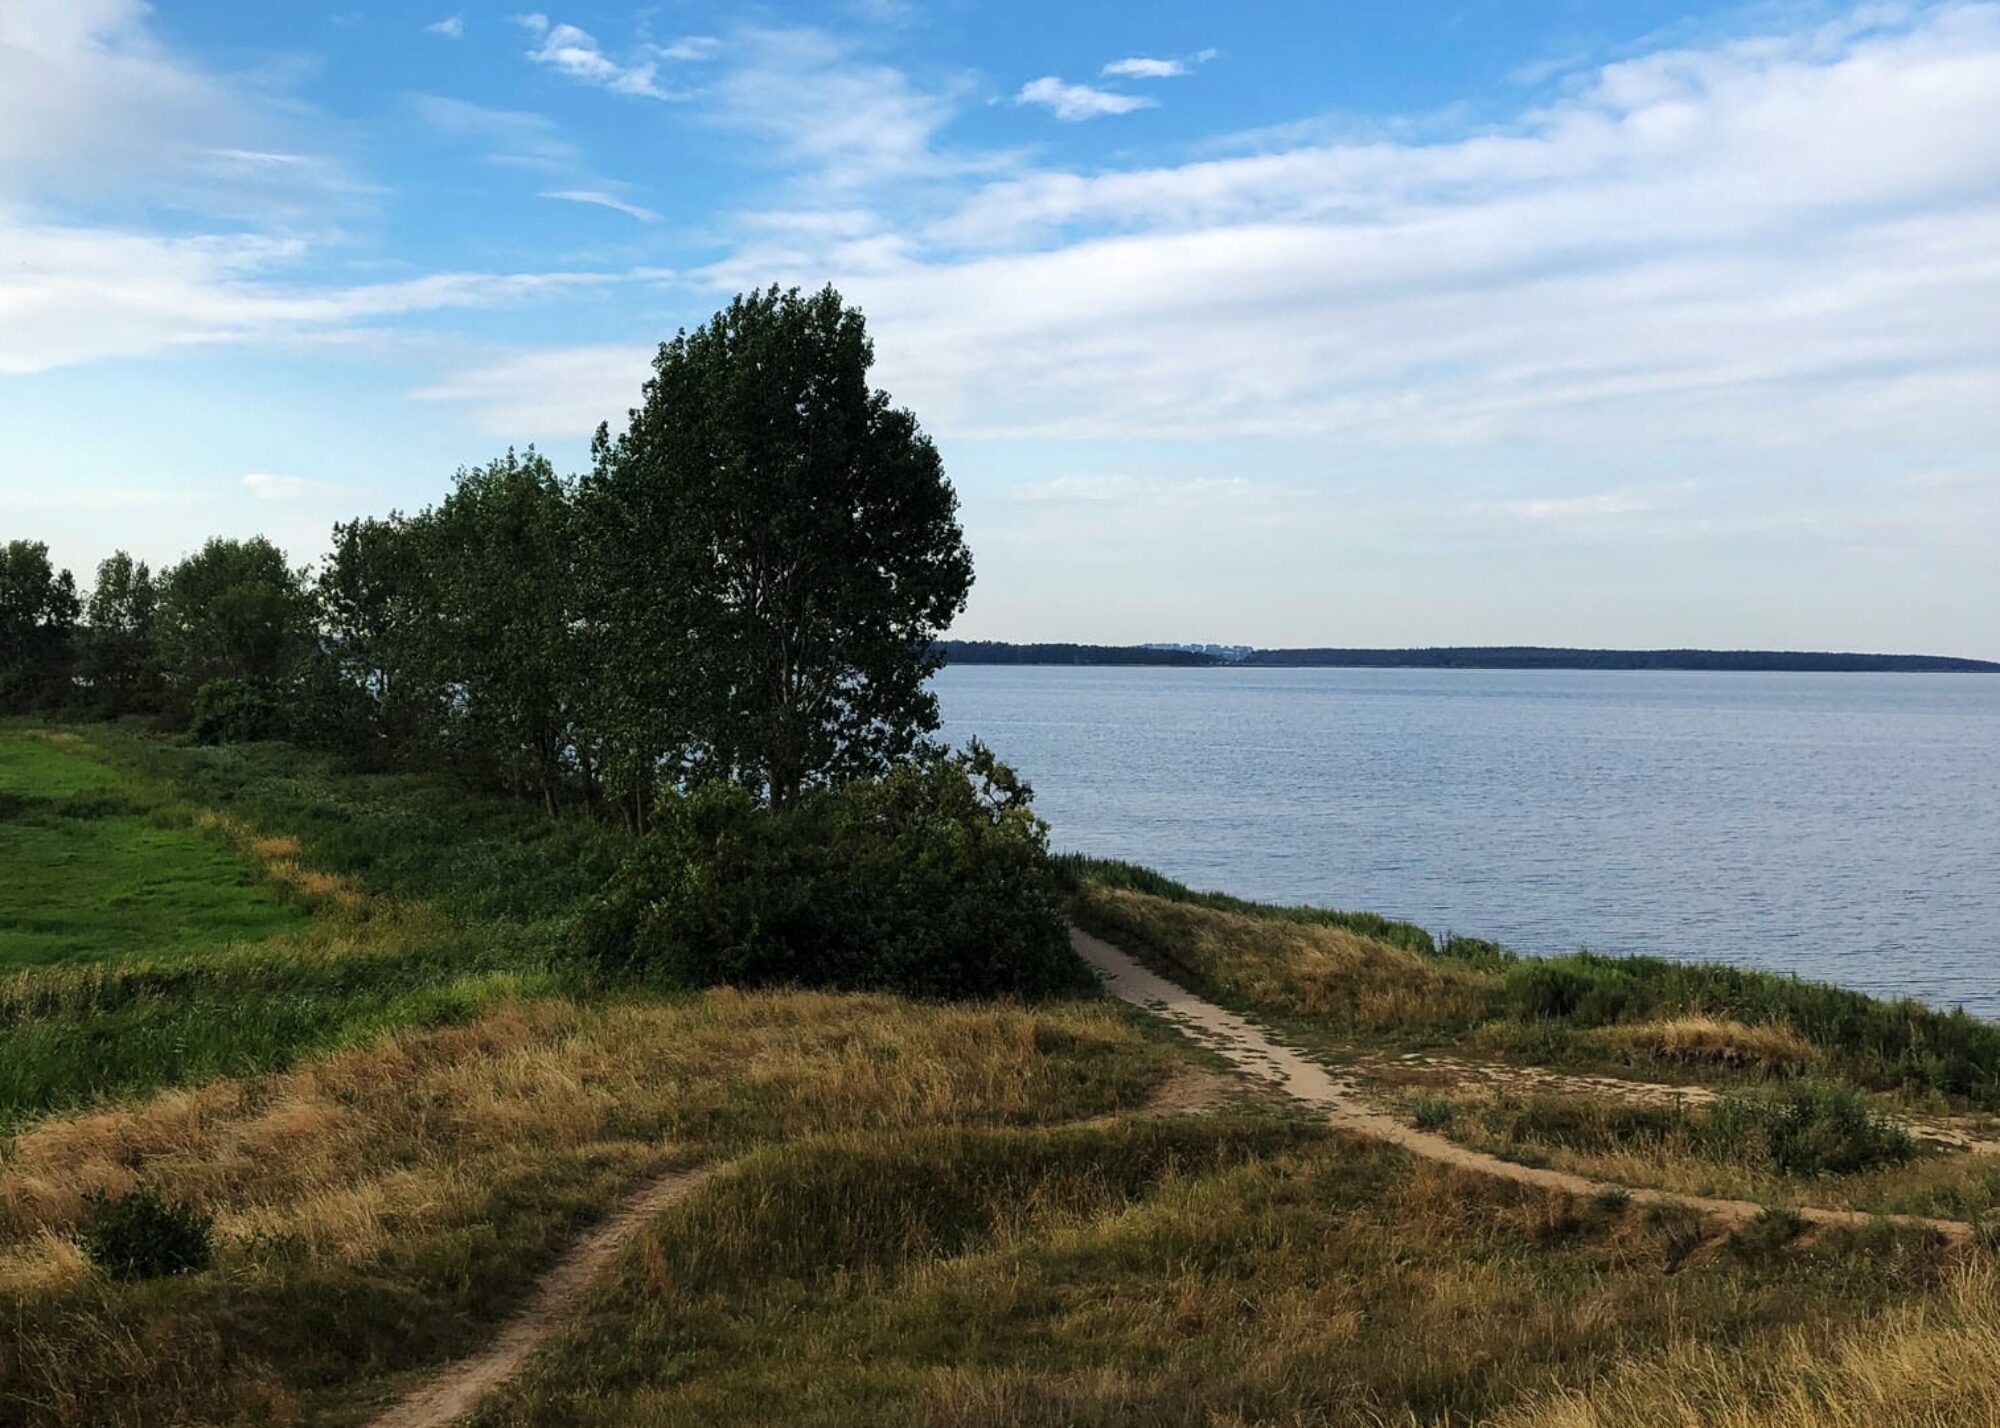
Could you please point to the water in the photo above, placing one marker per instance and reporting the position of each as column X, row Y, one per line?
column 1845, row 827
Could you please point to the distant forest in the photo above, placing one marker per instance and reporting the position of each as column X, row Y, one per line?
column 1471, row 657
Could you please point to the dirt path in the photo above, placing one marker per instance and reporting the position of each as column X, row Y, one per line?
column 452, row 1392
column 1250, row 1047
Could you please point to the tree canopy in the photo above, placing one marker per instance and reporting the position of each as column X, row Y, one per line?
column 780, row 548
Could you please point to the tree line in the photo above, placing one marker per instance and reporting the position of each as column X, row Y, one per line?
column 746, row 585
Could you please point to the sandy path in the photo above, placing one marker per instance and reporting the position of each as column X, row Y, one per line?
column 453, row 1390
column 1250, row 1047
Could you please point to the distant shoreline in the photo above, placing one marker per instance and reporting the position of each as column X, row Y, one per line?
column 997, row 652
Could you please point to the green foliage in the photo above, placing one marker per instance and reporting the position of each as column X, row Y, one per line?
column 119, row 658
column 38, row 610
column 499, row 623
column 1076, row 868
column 1809, row 1128
column 1879, row 1045
column 143, row 1235
column 233, row 611
column 777, row 548
column 234, row 711
column 932, row 880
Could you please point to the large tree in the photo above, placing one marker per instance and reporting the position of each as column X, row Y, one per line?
column 119, row 661
column 233, row 610
column 38, row 610
column 778, row 549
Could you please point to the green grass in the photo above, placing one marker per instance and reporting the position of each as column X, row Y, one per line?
column 97, row 868
column 148, row 951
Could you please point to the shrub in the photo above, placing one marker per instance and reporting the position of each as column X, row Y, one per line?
column 141, row 1235
column 234, row 711
column 933, row 880
column 1810, row 1128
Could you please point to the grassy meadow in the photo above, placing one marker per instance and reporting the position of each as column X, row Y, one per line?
column 358, row 1045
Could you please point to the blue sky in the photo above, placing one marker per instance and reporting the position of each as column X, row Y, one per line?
column 1637, row 324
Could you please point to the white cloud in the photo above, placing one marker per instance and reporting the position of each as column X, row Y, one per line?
column 1601, row 506
column 577, row 54
column 837, row 120
column 604, row 200
column 452, row 27
column 1078, row 101
column 74, row 294
column 1149, row 67
column 563, row 392
column 268, row 487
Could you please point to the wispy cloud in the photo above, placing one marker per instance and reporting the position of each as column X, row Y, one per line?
column 1074, row 102
column 1149, row 67
column 576, row 53
column 266, row 486
column 604, row 200
column 511, row 136
column 452, row 27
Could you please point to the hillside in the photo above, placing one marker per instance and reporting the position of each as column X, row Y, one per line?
column 364, row 1053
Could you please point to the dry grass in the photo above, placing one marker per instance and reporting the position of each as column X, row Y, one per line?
column 411, row 1190
column 1351, row 980
column 1165, row 1273
column 1773, row 1049
column 1931, row 1364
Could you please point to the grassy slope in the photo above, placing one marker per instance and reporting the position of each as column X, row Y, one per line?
column 1579, row 1010
column 928, row 1221
column 98, row 868
column 425, row 905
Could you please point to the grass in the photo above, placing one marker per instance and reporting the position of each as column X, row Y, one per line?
column 1229, row 1272
column 398, row 1109
column 98, row 867
column 375, row 1210
column 380, row 901
column 1663, row 1018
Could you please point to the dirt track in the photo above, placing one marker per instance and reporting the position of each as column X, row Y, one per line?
column 1249, row 1047
column 452, row 1392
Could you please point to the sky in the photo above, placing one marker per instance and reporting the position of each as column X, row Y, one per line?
column 1538, row 321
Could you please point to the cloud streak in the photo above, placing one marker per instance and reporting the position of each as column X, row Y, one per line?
column 1076, row 102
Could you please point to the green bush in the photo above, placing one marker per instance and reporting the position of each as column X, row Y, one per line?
column 142, row 1235
column 1810, row 1128
column 933, row 880
column 234, row 711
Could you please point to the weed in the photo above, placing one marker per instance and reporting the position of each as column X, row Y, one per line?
column 143, row 1235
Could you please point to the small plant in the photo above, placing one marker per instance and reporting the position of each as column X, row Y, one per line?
column 143, row 1235
column 1765, row 1236
column 1433, row 1114
column 1612, row 1199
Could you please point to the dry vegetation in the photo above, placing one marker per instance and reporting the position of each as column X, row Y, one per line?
column 1927, row 1364
column 1181, row 1272
column 1774, row 1048
column 409, row 1192
column 1352, row 981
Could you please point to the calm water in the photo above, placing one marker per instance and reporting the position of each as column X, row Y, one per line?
column 1845, row 827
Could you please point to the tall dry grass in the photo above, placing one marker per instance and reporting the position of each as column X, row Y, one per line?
column 375, row 1209
column 1308, row 969
column 1934, row 1363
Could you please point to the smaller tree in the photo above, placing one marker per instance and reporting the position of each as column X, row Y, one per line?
column 234, row 610
column 372, row 593
column 118, row 659
column 38, row 610
column 498, row 631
